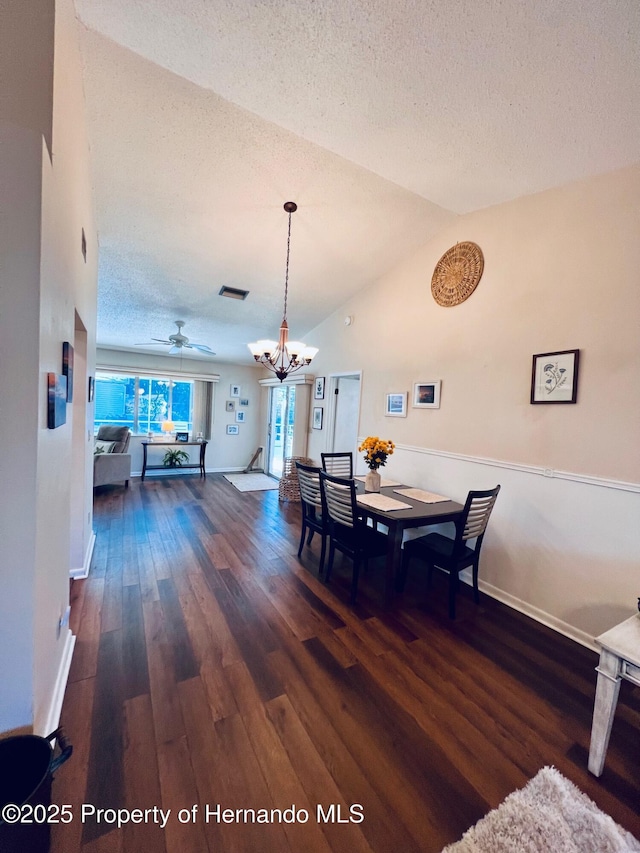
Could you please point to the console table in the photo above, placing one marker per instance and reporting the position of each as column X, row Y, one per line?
column 199, row 464
column 619, row 658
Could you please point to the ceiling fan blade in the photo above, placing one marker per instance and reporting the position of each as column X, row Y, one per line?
column 201, row 348
column 161, row 340
column 152, row 344
column 174, row 350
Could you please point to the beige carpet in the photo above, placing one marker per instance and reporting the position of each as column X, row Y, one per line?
column 548, row 815
column 252, row 482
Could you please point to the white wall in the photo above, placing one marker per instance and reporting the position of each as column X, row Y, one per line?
column 561, row 272
column 45, row 203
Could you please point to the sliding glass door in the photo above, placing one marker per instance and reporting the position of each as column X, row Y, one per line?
column 281, row 419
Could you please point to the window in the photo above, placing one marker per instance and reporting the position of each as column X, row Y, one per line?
column 143, row 402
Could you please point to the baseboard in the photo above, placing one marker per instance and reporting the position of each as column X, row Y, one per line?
column 83, row 572
column 53, row 717
column 539, row 615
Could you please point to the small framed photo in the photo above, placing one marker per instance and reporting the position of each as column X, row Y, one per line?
column 233, row 429
column 182, row 436
column 554, row 377
column 235, row 391
column 67, row 368
column 396, row 405
column 244, row 402
column 426, row 395
column 92, row 388
column 317, row 417
column 240, row 417
column 318, row 393
column 230, row 406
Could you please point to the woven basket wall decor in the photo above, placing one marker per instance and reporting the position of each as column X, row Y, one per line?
column 457, row 274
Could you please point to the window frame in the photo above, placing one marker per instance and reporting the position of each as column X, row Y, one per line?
column 151, row 377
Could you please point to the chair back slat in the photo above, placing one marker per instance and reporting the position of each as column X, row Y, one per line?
column 339, row 496
column 338, row 464
column 477, row 511
column 309, row 481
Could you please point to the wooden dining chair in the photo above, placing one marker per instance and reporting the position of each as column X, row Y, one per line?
column 338, row 464
column 313, row 519
column 453, row 555
column 348, row 530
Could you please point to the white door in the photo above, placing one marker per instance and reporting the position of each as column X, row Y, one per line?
column 346, row 414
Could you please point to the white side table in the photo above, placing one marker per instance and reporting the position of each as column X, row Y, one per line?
column 619, row 658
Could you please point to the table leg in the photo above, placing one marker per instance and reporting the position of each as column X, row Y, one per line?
column 394, row 555
column 144, row 462
column 607, row 690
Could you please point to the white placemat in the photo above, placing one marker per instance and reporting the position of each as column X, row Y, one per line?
column 378, row 501
column 421, row 495
column 383, row 482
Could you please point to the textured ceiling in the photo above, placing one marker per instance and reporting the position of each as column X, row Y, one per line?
column 382, row 120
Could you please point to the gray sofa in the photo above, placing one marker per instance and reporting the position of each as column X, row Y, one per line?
column 112, row 461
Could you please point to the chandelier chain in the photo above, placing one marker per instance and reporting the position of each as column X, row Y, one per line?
column 286, row 272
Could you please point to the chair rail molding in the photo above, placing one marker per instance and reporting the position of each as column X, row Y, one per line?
column 536, row 470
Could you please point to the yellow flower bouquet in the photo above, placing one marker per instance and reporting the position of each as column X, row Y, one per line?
column 376, row 451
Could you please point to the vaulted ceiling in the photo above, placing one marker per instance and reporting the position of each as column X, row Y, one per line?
column 383, row 119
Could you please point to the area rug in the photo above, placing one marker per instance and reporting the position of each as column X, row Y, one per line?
column 251, row 482
column 548, row 815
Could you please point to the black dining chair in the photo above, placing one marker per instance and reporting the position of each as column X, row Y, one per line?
column 453, row 555
column 313, row 519
column 338, row 464
column 348, row 530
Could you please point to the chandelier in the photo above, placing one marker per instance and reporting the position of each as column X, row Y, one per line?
column 284, row 356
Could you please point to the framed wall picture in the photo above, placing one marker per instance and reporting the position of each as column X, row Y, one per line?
column 244, row 402
column 235, row 391
column 56, row 400
column 230, row 406
column 233, row 429
column 554, row 377
column 318, row 393
column 396, row 405
column 317, row 417
column 182, row 436
column 67, row 368
column 240, row 417
column 426, row 395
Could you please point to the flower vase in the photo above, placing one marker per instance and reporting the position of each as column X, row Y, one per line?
column 372, row 482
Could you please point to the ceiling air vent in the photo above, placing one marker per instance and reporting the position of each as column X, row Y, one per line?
column 233, row 292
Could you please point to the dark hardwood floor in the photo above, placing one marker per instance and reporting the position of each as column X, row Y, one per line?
column 211, row 667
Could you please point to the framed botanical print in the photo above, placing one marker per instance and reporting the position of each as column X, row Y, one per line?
column 554, row 377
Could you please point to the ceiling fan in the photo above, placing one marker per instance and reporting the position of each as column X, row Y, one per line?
column 178, row 342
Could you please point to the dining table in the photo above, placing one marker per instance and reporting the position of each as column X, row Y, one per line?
column 432, row 509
